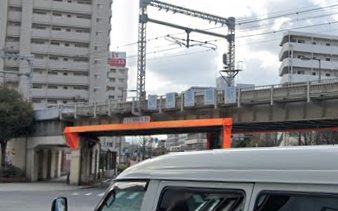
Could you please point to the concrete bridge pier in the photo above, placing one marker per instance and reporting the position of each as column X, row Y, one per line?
column 84, row 167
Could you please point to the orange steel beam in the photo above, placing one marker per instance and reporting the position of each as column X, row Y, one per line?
column 288, row 131
column 72, row 133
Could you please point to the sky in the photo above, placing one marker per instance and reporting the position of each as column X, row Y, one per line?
column 171, row 68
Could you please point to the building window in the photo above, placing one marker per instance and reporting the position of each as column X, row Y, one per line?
column 64, row 101
column 67, row 44
column 52, row 87
column 80, row 59
column 121, row 71
column 327, row 74
column 314, row 43
column 52, row 101
column 57, row 14
column 328, row 59
column 84, row 17
column 112, row 79
column 54, row 58
column 37, row 101
column 69, row 16
column 100, row 6
column 300, row 56
column 111, row 97
column 52, row 73
column 65, row 87
column 121, row 80
column 120, row 89
column 55, row 43
column 68, row 30
column 65, row 73
column 37, row 86
column 301, row 41
column 301, row 72
column 56, row 28
column 313, row 73
column 65, row 59
column 110, row 88
column 80, row 74
column 113, row 70
column 80, row 88
column 328, row 44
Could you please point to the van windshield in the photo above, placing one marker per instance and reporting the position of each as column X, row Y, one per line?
column 126, row 196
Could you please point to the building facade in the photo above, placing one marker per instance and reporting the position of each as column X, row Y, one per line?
column 308, row 57
column 70, row 42
column 117, row 85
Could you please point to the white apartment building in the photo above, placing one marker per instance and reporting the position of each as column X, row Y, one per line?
column 308, row 57
column 117, row 85
column 70, row 42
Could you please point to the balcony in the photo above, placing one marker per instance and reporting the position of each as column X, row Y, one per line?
column 61, row 80
column 308, row 64
column 63, row 6
column 13, row 31
column 59, row 93
column 15, row 3
column 59, row 50
column 307, row 48
column 62, row 21
column 61, row 65
column 69, row 36
column 294, row 78
column 14, row 16
column 12, row 45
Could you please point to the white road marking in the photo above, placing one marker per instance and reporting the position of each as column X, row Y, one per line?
column 101, row 194
column 75, row 194
column 88, row 194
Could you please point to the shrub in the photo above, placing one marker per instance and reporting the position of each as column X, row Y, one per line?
column 10, row 171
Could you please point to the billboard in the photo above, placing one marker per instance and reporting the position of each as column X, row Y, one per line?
column 230, row 95
column 117, row 59
column 152, row 102
column 170, row 100
column 189, row 99
column 209, row 97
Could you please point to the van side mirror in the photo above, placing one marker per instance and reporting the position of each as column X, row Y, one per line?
column 60, row 204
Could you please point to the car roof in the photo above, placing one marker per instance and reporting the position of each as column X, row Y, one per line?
column 309, row 165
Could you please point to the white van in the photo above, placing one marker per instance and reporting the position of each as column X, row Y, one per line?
column 271, row 179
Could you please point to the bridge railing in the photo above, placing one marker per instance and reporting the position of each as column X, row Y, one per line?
column 245, row 96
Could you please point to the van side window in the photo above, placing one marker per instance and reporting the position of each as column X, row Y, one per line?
column 124, row 196
column 194, row 199
column 295, row 202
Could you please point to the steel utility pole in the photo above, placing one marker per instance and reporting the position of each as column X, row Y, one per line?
column 142, row 35
column 9, row 54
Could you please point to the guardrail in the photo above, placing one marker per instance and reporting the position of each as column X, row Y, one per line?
column 210, row 98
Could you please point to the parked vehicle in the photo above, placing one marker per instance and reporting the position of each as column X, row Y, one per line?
column 270, row 179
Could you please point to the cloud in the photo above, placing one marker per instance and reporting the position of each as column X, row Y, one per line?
column 259, row 53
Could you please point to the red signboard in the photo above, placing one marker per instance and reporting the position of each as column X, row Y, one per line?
column 117, row 59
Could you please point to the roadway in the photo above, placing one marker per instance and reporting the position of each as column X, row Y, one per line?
column 40, row 200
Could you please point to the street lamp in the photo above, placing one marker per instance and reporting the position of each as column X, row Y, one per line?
column 320, row 66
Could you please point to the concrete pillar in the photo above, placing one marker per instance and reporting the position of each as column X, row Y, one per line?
column 58, row 173
column 53, row 164
column 32, row 165
column 75, row 167
column 45, row 165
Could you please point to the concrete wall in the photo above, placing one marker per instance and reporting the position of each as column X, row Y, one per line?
column 16, row 150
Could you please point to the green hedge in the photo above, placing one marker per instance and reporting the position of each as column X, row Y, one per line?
column 10, row 171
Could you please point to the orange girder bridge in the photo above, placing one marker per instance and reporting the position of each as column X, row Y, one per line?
column 218, row 130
